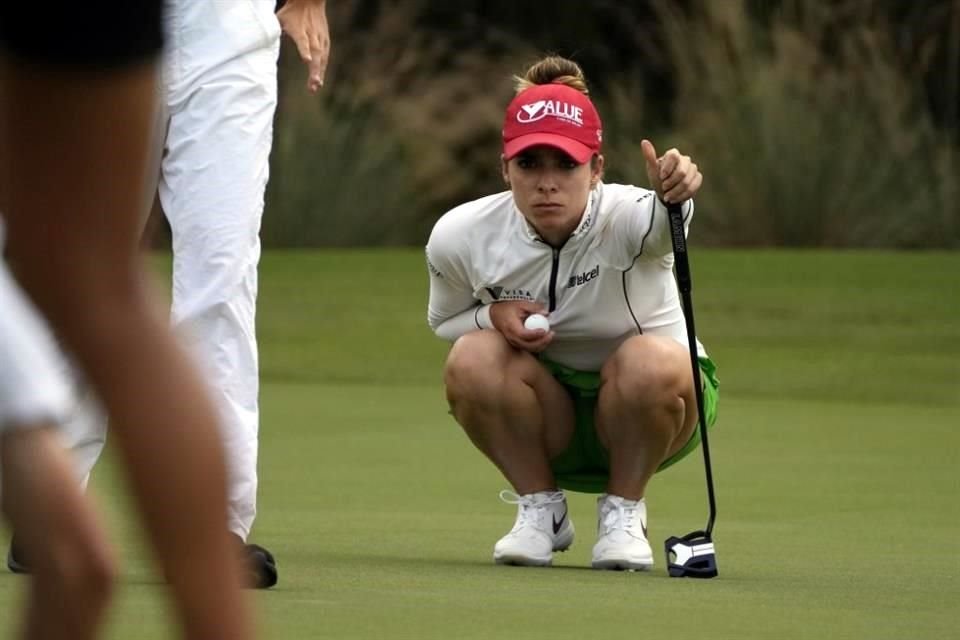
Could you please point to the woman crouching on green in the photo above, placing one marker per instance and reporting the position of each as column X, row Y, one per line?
column 604, row 398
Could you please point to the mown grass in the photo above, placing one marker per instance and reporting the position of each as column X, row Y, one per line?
column 835, row 459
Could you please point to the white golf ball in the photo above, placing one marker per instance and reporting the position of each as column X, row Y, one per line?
column 536, row 321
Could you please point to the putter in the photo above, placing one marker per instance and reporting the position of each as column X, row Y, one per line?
column 692, row 555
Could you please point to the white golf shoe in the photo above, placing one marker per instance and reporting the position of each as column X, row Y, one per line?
column 622, row 535
column 543, row 526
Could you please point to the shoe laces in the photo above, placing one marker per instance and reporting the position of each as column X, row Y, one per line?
column 619, row 513
column 532, row 506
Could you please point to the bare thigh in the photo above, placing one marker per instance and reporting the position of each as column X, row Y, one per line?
column 482, row 362
column 651, row 369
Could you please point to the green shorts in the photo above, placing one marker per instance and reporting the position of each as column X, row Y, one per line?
column 584, row 465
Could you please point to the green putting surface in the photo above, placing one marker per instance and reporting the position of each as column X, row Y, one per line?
column 836, row 458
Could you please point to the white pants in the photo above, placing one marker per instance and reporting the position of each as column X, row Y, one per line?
column 32, row 390
column 220, row 95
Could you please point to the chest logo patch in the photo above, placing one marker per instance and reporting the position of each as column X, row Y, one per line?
column 578, row 279
column 501, row 293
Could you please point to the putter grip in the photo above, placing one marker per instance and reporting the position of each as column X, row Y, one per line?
column 679, row 239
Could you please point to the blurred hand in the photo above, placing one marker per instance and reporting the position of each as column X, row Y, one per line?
column 674, row 177
column 508, row 317
column 305, row 22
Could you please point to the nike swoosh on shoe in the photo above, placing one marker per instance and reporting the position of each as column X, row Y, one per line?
column 557, row 524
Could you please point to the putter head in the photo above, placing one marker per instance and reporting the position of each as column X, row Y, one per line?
column 691, row 556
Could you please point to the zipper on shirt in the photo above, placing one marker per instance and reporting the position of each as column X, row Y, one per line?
column 553, row 278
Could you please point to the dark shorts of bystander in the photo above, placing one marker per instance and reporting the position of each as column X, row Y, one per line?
column 93, row 34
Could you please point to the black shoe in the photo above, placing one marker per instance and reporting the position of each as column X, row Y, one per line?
column 15, row 560
column 261, row 567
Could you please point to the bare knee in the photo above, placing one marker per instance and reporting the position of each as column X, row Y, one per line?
column 479, row 364
column 649, row 371
column 83, row 571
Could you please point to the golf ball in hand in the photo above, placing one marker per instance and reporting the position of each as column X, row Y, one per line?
column 536, row 321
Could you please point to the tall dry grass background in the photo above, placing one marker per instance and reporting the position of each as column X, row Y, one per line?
column 810, row 126
column 812, row 131
column 407, row 126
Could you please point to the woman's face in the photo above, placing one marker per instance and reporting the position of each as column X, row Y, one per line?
column 551, row 189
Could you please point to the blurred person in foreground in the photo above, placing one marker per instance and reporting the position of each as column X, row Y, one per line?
column 219, row 96
column 38, row 493
column 603, row 399
column 77, row 105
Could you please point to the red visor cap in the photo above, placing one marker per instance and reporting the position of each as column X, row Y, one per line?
column 554, row 115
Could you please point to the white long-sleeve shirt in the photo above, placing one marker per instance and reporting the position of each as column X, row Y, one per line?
column 613, row 278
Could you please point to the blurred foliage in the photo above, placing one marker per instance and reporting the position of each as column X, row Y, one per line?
column 812, row 121
column 407, row 125
column 808, row 136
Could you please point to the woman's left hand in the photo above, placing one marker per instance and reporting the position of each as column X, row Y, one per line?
column 673, row 176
